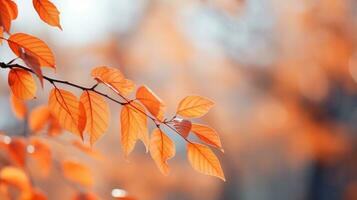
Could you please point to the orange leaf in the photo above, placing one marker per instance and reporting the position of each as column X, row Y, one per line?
column 97, row 112
column 21, row 43
column 207, row 135
column 17, row 151
column 114, row 79
column 18, row 107
column 194, row 106
column 203, row 160
column 54, row 128
column 183, row 126
column 88, row 150
column 5, row 16
column 22, row 84
column 15, row 177
column 77, row 173
column 42, row 155
column 11, row 8
column 133, row 126
column 69, row 112
column 47, row 12
column 38, row 118
column 152, row 102
column 38, row 195
column 161, row 149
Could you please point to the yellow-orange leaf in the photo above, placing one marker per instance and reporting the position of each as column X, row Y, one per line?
column 203, row 160
column 114, row 79
column 207, row 135
column 12, row 8
column 22, row 84
column 183, row 127
column 38, row 118
column 17, row 151
column 18, row 107
column 194, row 106
column 152, row 102
column 133, row 126
column 47, row 12
column 69, row 112
column 97, row 112
column 77, row 173
column 15, row 177
column 161, row 149
column 21, row 43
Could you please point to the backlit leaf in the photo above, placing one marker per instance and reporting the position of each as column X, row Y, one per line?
column 97, row 112
column 183, row 126
column 38, row 118
column 194, row 106
column 69, row 112
column 161, row 149
column 5, row 17
column 133, row 126
column 207, row 134
column 77, row 173
column 12, row 8
column 22, row 43
column 18, row 107
column 22, row 84
column 152, row 102
column 114, row 79
column 17, row 151
column 203, row 160
column 47, row 12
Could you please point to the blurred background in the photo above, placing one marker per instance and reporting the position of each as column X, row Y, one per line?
column 282, row 73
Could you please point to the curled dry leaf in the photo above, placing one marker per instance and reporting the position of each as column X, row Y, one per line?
column 203, row 160
column 18, row 107
column 162, row 148
column 97, row 113
column 152, row 102
column 207, row 135
column 22, row 84
column 47, row 12
column 182, row 126
column 194, row 106
column 77, row 173
column 38, row 118
column 133, row 126
column 114, row 79
column 69, row 112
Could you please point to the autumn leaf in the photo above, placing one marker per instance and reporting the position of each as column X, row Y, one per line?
column 18, row 107
column 11, row 8
column 22, row 43
column 69, row 112
column 182, row 126
column 88, row 150
column 38, row 194
column 42, row 155
column 38, row 118
column 47, row 12
column 22, row 84
column 194, row 106
column 152, row 102
column 203, row 160
column 17, row 151
column 15, row 177
column 133, row 126
column 54, row 128
column 207, row 134
column 114, row 79
column 5, row 17
column 97, row 113
column 77, row 173
column 161, row 149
